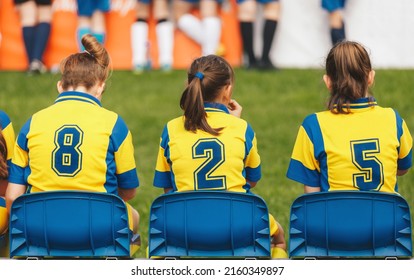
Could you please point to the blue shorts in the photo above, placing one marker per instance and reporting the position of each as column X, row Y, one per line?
column 198, row 1
column 87, row 7
column 260, row 1
column 38, row 2
column 333, row 5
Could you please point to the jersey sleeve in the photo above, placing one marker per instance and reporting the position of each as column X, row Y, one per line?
column 405, row 152
column 252, row 160
column 8, row 134
column 304, row 167
column 20, row 160
column 162, row 176
column 124, row 156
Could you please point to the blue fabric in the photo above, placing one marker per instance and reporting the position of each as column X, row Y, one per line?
column 41, row 39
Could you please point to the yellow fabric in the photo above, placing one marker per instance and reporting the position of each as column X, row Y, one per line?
column 279, row 253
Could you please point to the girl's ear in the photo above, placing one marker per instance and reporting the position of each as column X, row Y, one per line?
column 327, row 81
column 59, row 86
column 371, row 77
column 99, row 90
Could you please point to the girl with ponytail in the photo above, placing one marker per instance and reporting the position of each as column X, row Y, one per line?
column 355, row 144
column 7, row 138
column 210, row 147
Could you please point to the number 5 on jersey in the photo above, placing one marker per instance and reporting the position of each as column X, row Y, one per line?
column 371, row 175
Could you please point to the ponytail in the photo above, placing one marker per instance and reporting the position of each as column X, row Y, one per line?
column 348, row 66
column 87, row 68
column 4, row 174
column 192, row 102
column 207, row 77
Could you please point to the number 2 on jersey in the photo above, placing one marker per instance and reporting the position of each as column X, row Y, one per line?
column 67, row 157
column 213, row 151
column 371, row 176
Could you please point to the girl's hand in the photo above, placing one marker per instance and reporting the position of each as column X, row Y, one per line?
column 235, row 108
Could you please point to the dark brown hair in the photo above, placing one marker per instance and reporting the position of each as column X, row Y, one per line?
column 86, row 68
column 4, row 174
column 206, row 77
column 348, row 66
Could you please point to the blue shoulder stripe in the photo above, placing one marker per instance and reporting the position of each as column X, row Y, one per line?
column 399, row 122
column 249, row 136
column 165, row 140
column 119, row 133
column 22, row 137
column 4, row 120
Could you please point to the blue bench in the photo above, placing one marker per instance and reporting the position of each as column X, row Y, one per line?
column 209, row 224
column 65, row 224
column 350, row 224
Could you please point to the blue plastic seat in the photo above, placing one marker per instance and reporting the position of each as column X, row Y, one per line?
column 69, row 224
column 350, row 224
column 209, row 224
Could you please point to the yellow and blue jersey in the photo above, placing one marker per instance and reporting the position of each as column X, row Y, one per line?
column 9, row 137
column 75, row 144
column 199, row 161
column 8, row 134
column 189, row 161
column 361, row 150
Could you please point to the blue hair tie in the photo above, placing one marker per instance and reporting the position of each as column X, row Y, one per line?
column 199, row 75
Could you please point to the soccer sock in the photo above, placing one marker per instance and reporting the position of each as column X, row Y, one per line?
column 212, row 33
column 247, row 39
column 338, row 34
column 165, row 38
column 192, row 27
column 41, row 39
column 82, row 31
column 29, row 33
column 100, row 37
column 268, row 35
column 139, row 41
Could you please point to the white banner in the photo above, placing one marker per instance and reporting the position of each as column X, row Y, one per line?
column 206, row 269
column 385, row 27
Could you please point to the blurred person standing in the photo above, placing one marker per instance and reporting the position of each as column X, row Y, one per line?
column 336, row 21
column 205, row 31
column 35, row 19
column 139, row 35
column 247, row 16
column 91, row 19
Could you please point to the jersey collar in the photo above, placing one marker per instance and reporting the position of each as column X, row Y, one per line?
column 215, row 107
column 78, row 96
column 363, row 103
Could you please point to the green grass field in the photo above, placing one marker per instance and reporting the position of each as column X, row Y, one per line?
column 274, row 103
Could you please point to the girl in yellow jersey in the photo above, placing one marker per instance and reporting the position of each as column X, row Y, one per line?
column 76, row 144
column 355, row 144
column 210, row 147
column 7, row 139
